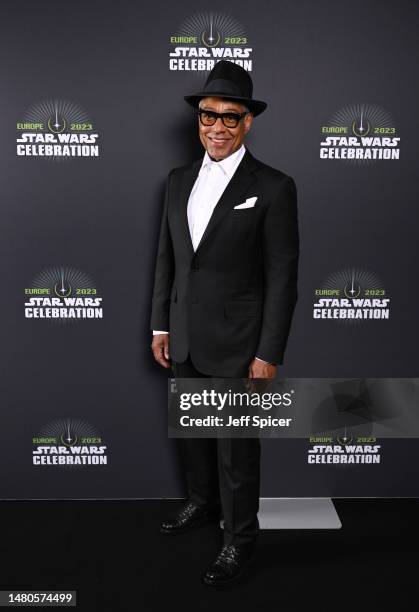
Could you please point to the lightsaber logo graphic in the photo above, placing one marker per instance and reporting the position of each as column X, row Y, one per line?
column 56, row 130
column 63, row 294
column 360, row 133
column 351, row 296
column 68, row 443
column 206, row 38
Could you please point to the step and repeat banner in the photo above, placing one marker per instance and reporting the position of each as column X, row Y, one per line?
column 92, row 121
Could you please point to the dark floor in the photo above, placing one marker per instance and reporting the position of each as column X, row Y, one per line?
column 112, row 554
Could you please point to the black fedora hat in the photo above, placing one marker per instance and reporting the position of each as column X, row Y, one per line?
column 229, row 80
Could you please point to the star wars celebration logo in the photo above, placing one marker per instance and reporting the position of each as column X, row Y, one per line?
column 56, row 130
column 62, row 294
column 68, row 443
column 204, row 39
column 351, row 296
column 343, row 450
column 360, row 134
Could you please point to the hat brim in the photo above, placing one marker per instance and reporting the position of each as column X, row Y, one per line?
column 256, row 107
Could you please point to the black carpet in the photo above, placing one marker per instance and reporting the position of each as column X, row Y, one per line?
column 112, row 554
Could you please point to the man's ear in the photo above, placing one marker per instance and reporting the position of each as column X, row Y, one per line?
column 248, row 120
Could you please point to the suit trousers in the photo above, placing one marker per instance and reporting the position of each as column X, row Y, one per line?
column 223, row 473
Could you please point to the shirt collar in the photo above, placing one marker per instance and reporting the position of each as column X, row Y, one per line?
column 227, row 165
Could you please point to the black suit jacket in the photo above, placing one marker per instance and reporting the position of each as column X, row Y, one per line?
column 233, row 298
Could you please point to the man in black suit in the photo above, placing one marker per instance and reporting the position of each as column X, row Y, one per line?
column 225, row 289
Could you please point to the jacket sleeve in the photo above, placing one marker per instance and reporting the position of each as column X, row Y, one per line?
column 280, row 252
column 164, row 270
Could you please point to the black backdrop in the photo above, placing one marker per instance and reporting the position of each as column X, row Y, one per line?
column 100, row 215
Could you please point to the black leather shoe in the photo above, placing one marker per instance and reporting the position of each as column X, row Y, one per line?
column 188, row 517
column 230, row 565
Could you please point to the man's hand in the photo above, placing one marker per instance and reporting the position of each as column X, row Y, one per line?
column 261, row 369
column 160, row 348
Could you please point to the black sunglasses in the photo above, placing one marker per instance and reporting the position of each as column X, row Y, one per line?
column 229, row 119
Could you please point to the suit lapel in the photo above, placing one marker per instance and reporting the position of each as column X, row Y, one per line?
column 188, row 180
column 238, row 185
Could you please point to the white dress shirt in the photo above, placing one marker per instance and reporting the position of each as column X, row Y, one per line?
column 212, row 179
column 210, row 184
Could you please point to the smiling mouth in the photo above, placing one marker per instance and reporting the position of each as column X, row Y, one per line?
column 218, row 140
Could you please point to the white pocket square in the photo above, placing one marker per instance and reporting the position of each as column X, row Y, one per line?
column 248, row 204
